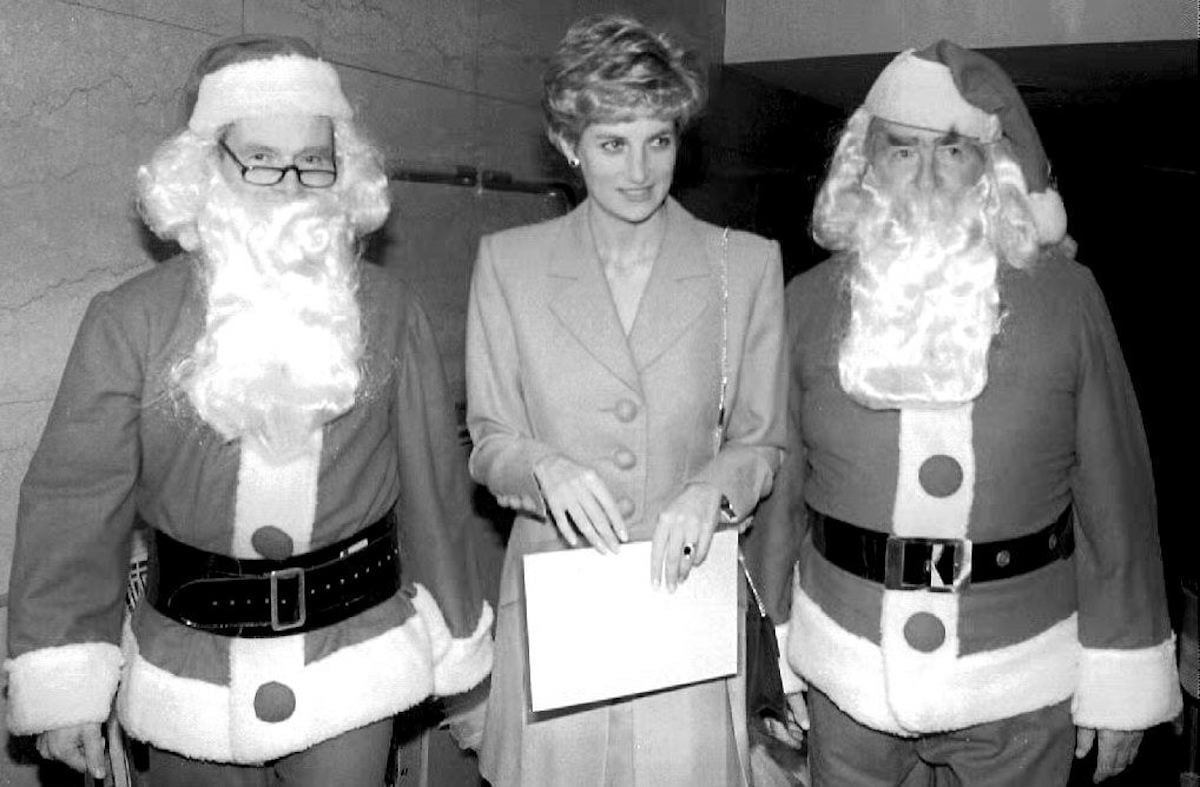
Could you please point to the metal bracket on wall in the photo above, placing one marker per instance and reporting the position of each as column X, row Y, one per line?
column 479, row 179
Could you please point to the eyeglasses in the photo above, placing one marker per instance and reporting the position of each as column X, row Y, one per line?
column 259, row 175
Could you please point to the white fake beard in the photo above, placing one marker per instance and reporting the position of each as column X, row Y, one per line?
column 282, row 341
column 924, row 304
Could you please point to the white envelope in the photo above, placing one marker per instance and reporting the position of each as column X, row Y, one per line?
column 597, row 629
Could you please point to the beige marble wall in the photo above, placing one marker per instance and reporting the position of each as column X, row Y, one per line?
column 88, row 88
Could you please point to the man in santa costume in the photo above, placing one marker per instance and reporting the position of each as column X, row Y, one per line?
column 273, row 409
column 968, row 506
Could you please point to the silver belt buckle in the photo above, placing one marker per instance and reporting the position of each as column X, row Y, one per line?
column 301, row 610
column 933, row 553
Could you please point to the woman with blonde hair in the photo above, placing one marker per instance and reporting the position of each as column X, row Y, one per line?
column 594, row 373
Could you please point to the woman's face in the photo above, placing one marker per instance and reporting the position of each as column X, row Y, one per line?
column 627, row 165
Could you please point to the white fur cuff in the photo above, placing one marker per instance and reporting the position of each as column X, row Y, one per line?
column 459, row 664
column 1127, row 689
column 62, row 686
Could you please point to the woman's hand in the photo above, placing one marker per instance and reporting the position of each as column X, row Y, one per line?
column 80, row 746
column 579, row 501
column 683, row 534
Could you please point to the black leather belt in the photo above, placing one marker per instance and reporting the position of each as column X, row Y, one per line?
column 933, row 563
column 269, row 598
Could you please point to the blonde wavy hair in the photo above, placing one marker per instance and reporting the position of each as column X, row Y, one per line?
column 608, row 68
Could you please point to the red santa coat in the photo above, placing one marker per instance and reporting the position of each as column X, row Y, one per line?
column 1057, row 425
column 121, row 446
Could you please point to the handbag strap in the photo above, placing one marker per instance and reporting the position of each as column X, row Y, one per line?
column 723, row 281
column 762, row 610
column 719, row 430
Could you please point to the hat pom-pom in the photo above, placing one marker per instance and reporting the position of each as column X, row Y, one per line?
column 1050, row 215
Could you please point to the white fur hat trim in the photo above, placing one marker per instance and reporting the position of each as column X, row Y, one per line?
column 278, row 85
column 917, row 92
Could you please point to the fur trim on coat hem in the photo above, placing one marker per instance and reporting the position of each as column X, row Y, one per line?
column 968, row 690
column 276, row 703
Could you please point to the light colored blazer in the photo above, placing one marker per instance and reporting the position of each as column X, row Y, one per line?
column 551, row 370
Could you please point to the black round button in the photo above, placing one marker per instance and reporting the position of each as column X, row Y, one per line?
column 274, row 702
column 924, row 632
column 272, row 543
column 940, row 475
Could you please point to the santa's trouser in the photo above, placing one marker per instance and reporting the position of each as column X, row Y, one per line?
column 1035, row 748
column 356, row 757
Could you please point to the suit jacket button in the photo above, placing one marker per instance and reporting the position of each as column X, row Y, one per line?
column 625, row 507
column 624, row 458
column 626, row 410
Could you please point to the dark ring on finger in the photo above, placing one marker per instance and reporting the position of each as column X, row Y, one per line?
column 688, row 549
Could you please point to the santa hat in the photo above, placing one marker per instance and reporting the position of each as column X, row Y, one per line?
column 948, row 88
column 256, row 75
